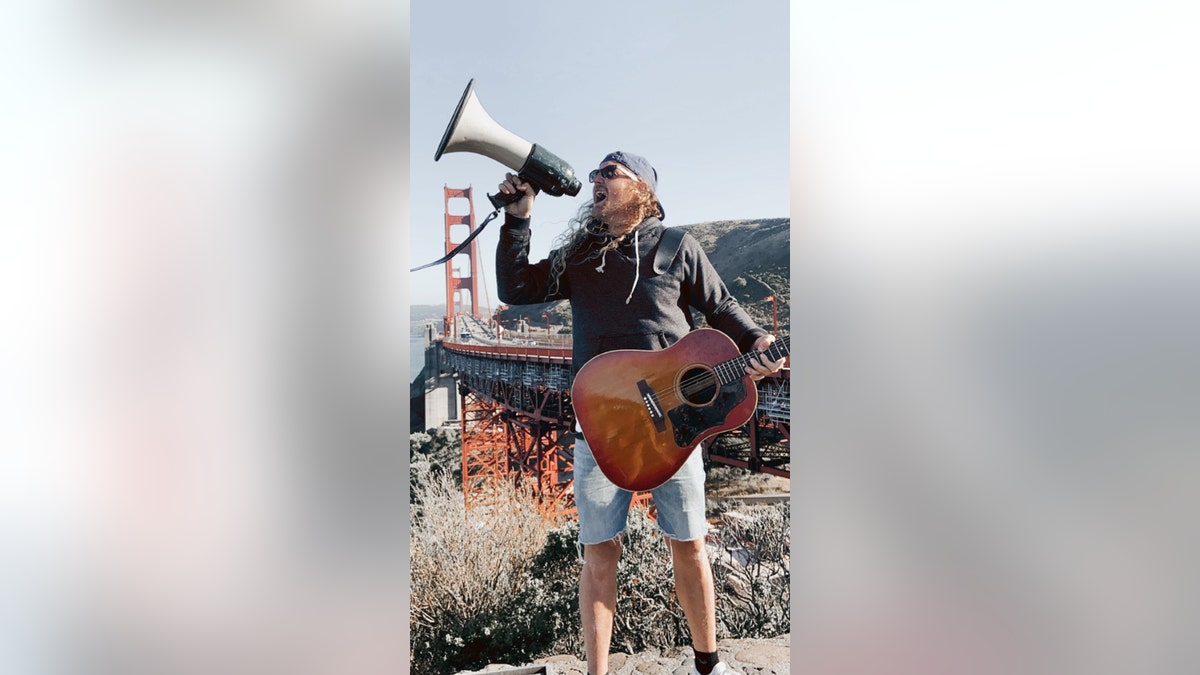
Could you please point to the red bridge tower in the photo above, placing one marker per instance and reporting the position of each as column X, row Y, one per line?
column 455, row 285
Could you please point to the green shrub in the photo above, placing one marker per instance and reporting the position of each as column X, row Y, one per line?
column 430, row 453
column 543, row 619
column 751, row 574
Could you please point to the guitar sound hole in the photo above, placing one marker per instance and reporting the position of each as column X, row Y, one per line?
column 698, row 386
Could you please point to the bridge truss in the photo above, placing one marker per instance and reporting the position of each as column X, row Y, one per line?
column 762, row 445
column 517, row 424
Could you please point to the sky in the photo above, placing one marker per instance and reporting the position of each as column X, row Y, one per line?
column 699, row 88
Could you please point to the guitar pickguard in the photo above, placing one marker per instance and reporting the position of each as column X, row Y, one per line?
column 690, row 421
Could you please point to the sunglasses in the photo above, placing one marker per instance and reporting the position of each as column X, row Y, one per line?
column 609, row 172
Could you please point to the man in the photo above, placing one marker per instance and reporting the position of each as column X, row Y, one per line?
column 604, row 266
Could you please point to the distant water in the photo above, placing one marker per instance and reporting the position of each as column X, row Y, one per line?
column 416, row 357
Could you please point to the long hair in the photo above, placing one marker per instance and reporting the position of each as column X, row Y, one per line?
column 585, row 232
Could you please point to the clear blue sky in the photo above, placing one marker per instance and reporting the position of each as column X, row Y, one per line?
column 698, row 88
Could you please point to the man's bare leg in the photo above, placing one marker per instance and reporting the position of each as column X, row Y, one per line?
column 694, row 587
column 598, row 601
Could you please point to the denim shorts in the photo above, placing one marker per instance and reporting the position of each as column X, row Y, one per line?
column 604, row 507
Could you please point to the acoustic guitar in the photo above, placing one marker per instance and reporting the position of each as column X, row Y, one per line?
column 643, row 412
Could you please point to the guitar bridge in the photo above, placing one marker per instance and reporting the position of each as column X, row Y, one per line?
column 650, row 399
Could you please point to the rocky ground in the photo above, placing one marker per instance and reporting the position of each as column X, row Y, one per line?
column 750, row 657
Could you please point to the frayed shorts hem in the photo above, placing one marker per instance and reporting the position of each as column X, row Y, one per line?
column 604, row 508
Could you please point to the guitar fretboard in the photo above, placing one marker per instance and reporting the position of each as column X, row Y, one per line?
column 735, row 369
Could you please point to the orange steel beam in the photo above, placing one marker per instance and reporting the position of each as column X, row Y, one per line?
column 456, row 285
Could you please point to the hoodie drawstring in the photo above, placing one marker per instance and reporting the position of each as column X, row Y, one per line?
column 637, row 261
column 637, row 270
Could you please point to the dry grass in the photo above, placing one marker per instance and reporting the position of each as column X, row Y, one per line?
column 468, row 563
column 727, row 481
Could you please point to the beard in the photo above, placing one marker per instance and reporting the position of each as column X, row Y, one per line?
column 620, row 215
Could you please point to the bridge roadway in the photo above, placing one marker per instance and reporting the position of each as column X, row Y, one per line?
column 530, row 378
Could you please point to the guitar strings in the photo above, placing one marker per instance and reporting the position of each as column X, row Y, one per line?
column 707, row 378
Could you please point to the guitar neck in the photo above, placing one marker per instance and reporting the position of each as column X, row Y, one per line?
column 735, row 369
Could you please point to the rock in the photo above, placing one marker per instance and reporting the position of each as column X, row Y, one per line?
column 770, row 656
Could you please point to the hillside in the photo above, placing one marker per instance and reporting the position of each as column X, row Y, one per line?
column 752, row 256
column 754, row 259
column 419, row 315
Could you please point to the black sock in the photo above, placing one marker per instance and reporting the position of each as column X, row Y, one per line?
column 706, row 661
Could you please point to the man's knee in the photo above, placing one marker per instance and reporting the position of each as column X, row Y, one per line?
column 602, row 558
column 689, row 549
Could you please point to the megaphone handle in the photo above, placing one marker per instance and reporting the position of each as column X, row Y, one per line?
column 502, row 199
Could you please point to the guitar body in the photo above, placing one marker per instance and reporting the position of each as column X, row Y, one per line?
column 643, row 412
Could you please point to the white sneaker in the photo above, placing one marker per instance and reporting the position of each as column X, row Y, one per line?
column 720, row 669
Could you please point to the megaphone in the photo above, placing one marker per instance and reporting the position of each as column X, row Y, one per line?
column 473, row 130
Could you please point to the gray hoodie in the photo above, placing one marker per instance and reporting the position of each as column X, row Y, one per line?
column 618, row 301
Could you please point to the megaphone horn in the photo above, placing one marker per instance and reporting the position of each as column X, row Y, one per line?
column 473, row 130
